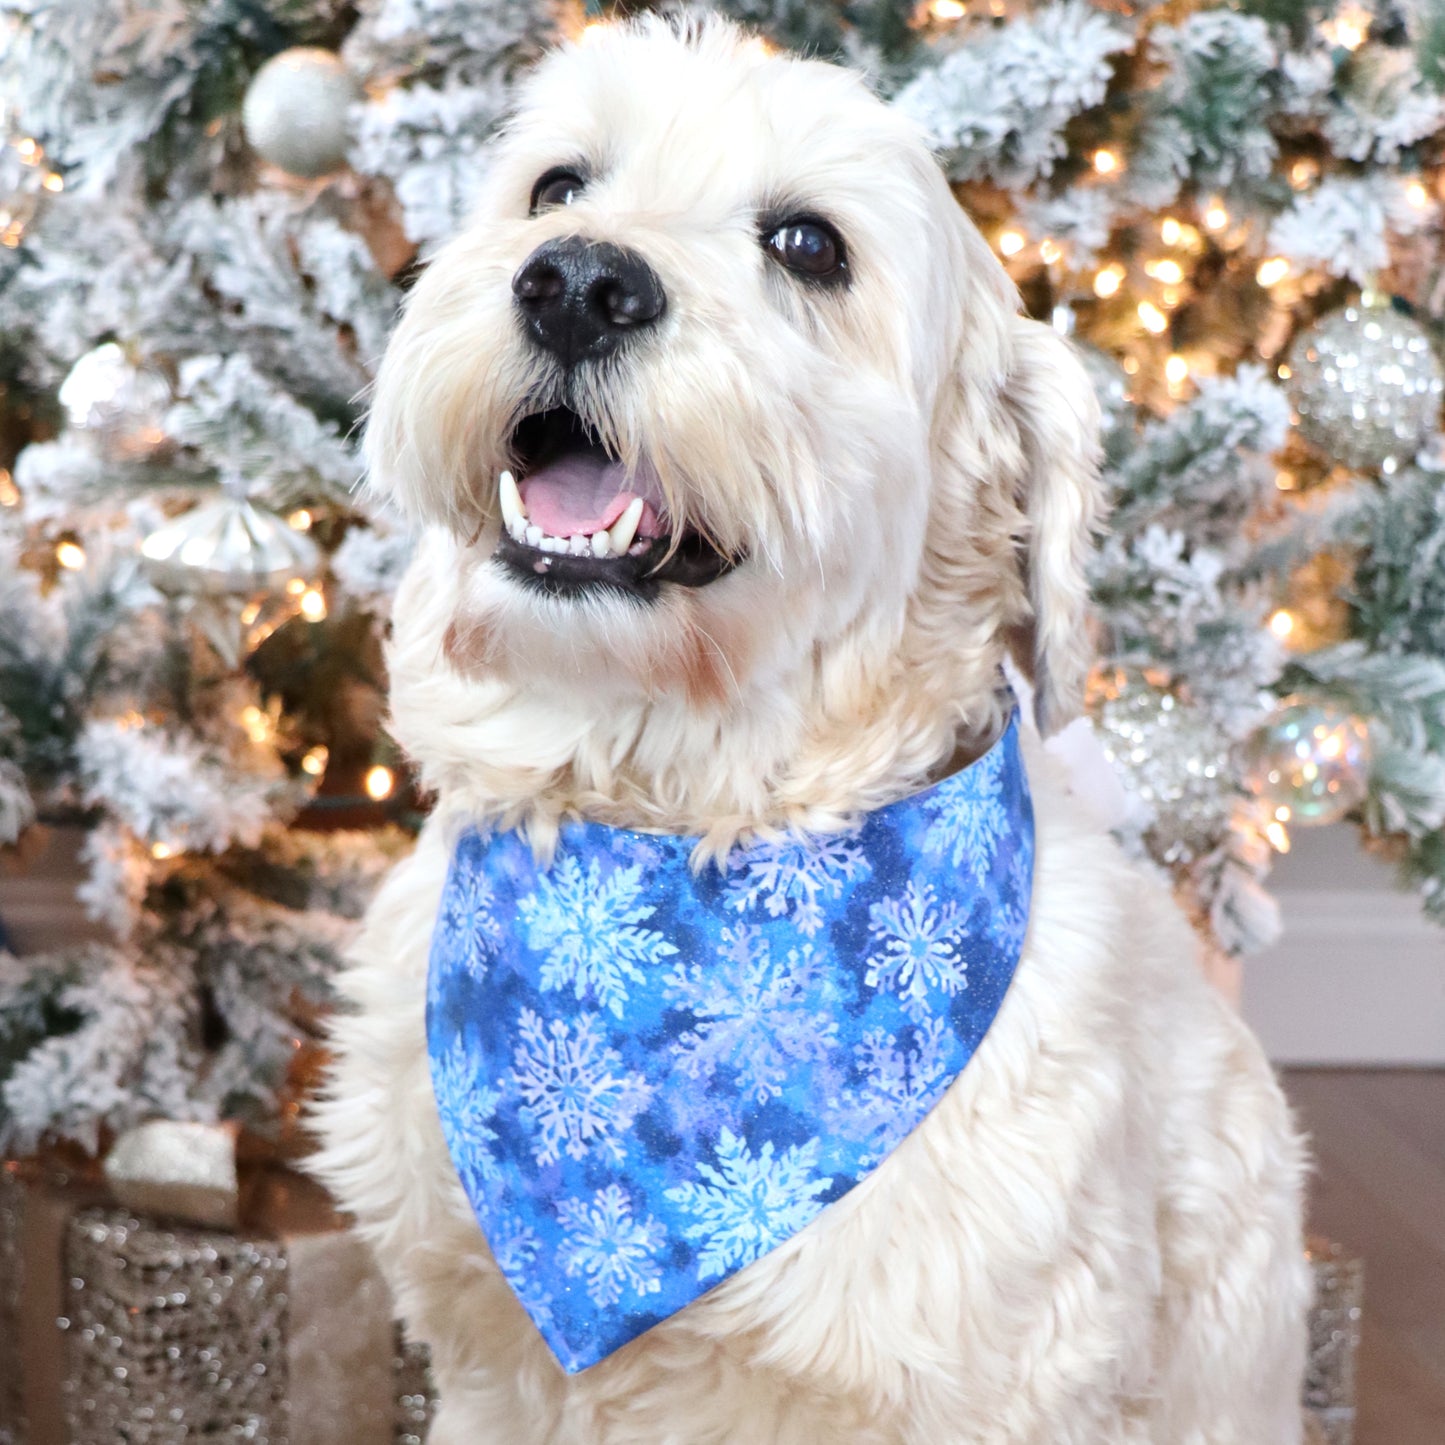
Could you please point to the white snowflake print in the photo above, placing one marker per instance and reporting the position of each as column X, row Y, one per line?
column 748, row 1205
column 756, row 1014
column 468, row 925
column 587, row 927
column 515, row 1246
column 917, row 949
column 612, row 1251
column 574, row 1089
column 796, row 875
column 897, row 1086
column 968, row 818
column 469, row 1108
column 1009, row 923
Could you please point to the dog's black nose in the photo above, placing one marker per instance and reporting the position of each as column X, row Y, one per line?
column 580, row 299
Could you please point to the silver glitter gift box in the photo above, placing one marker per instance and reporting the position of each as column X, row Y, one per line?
column 161, row 1333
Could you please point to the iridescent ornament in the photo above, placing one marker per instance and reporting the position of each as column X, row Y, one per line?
column 243, row 570
column 1366, row 385
column 1173, row 757
column 296, row 111
column 118, row 401
column 1310, row 761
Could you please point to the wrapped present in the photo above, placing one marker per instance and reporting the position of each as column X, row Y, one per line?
column 1334, row 1341
column 135, row 1328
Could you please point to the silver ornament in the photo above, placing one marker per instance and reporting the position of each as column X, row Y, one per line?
column 240, row 571
column 296, row 111
column 1310, row 762
column 119, row 402
column 1366, row 385
column 1172, row 757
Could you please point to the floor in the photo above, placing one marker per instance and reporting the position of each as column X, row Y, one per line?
column 1379, row 1144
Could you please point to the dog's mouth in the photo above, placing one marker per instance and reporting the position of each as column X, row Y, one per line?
column 574, row 520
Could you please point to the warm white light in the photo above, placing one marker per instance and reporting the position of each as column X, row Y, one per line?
column 947, row 10
column 1282, row 624
column 1216, row 218
column 1272, row 272
column 1108, row 281
column 379, row 783
column 1168, row 271
column 313, row 605
column 1286, row 481
column 1170, row 231
column 161, row 850
column 296, row 586
column 1176, row 370
column 1417, row 195
column 1011, row 243
column 1283, row 371
column 9, row 492
column 1049, row 252
column 1302, row 173
column 1278, row 837
column 300, row 519
column 71, row 556
column 255, row 723
column 53, row 183
column 1155, row 321
column 1349, row 29
column 1105, row 162
column 313, row 761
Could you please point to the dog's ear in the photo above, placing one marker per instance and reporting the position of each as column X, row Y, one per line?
column 1056, row 411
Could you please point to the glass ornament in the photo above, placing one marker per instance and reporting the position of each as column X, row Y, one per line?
column 1173, row 757
column 1366, row 385
column 297, row 111
column 1310, row 758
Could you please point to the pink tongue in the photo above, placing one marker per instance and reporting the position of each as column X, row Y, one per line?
column 579, row 495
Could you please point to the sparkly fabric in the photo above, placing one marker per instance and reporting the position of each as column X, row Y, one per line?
column 1329, row 1391
column 176, row 1334
column 12, row 1283
column 648, row 1078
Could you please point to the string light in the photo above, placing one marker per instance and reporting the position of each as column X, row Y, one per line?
column 1105, row 161
column 1216, row 218
column 1272, row 272
column 1277, row 835
column 1108, row 280
column 1303, row 173
column 54, row 183
column 1155, row 321
column 29, row 151
column 1349, row 29
column 1286, row 481
column 300, row 520
column 1283, row 813
column 1011, row 243
column 947, row 10
column 1417, row 195
column 162, row 851
column 1284, row 371
column 1049, row 251
column 313, row 605
column 314, row 760
column 1165, row 270
column 256, row 723
column 1131, row 366
column 296, row 586
column 71, row 556
column 1170, row 231
column 1176, row 371
column 1282, row 623
column 379, row 782
column 9, row 492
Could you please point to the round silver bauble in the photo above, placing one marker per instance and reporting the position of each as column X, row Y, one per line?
column 1366, row 386
column 296, row 111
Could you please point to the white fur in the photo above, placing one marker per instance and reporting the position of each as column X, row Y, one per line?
column 1095, row 1237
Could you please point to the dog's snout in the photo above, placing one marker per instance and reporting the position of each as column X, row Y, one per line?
column 580, row 299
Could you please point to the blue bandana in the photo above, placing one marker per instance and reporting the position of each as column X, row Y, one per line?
column 648, row 1078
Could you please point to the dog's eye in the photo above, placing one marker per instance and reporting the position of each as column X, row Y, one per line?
column 557, row 187
column 811, row 248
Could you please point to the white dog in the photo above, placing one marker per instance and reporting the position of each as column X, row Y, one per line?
column 740, row 475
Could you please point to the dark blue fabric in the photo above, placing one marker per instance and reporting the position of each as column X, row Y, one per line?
column 649, row 1078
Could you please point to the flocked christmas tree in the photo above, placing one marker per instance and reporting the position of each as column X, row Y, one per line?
column 209, row 212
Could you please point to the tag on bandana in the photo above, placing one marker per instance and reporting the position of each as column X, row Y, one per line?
column 648, row 1078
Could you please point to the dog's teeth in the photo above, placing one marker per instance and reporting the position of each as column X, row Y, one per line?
column 514, row 514
column 601, row 544
column 552, row 544
column 624, row 529
column 578, row 546
column 533, row 536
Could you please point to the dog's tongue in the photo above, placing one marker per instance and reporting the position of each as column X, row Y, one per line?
column 582, row 494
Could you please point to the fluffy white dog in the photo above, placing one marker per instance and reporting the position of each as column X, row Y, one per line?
column 785, row 476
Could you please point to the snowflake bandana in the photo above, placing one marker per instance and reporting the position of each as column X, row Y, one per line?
column 648, row 1078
